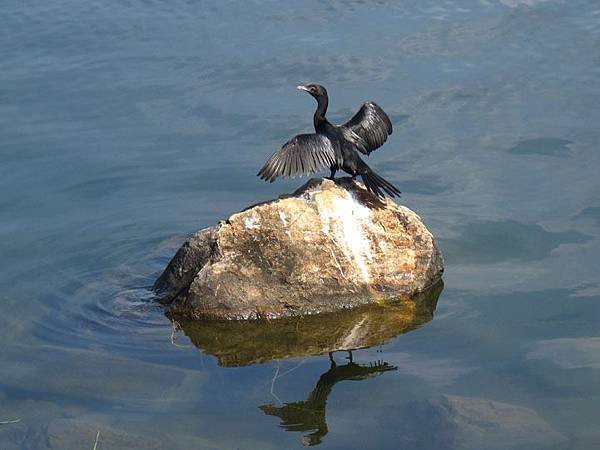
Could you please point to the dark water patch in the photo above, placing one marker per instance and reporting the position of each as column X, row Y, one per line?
column 542, row 146
column 542, row 311
column 511, row 241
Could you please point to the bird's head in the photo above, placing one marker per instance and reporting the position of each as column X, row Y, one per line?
column 316, row 90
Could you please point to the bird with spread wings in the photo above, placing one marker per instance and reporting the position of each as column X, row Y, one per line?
column 335, row 147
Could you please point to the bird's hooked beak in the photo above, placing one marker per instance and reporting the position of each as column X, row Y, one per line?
column 302, row 88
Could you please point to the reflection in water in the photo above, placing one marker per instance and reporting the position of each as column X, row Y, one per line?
column 242, row 343
column 309, row 415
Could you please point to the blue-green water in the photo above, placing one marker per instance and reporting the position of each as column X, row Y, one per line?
column 126, row 125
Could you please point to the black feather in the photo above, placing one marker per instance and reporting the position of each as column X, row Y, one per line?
column 368, row 129
column 304, row 154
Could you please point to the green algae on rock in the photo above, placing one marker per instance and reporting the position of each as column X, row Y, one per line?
column 331, row 245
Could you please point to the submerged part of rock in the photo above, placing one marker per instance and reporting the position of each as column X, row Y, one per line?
column 330, row 245
column 240, row 343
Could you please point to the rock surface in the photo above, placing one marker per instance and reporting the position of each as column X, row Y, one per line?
column 330, row 245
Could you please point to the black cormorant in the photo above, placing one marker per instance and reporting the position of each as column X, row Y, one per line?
column 334, row 147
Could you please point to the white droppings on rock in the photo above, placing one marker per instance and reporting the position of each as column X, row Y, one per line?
column 252, row 222
column 345, row 221
column 283, row 218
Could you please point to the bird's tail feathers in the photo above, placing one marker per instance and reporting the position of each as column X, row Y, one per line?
column 376, row 184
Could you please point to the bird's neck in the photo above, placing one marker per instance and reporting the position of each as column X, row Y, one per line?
column 319, row 118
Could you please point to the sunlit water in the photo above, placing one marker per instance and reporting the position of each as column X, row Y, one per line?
column 126, row 125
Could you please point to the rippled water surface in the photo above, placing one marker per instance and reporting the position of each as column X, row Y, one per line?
column 127, row 125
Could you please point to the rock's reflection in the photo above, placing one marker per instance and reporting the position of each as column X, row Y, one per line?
column 243, row 343
column 309, row 415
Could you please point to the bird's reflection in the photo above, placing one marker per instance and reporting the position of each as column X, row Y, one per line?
column 237, row 344
column 309, row 415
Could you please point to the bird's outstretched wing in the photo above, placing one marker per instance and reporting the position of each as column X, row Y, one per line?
column 368, row 129
column 302, row 155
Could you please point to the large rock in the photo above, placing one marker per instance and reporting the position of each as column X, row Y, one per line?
column 328, row 246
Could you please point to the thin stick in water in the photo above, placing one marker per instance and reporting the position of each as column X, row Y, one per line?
column 273, row 385
column 7, row 422
column 96, row 443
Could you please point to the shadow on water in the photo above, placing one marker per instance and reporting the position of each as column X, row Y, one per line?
column 238, row 344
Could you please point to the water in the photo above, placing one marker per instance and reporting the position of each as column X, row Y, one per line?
column 126, row 125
